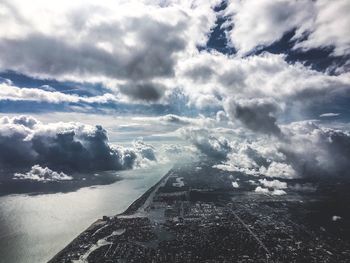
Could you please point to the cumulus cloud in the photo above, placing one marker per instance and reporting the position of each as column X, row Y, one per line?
column 144, row 50
column 316, row 151
column 276, row 169
column 170, row 153
column 146, row 153
column 211, row 146
column 278, row 192
column 127, row 45
column 255, row 114
column 266, row 77
column 239, row 161
column 221, row 116
column 317, row 24
column 235, row 184
column 263, row 190
column 69, row 147
column 143, row 91
column 275, row 184
column 329, row 27
column 38, row 173
column 336, row 218
column 304, row 150
column 263, row 22
column 172, row 149
column 39, row 54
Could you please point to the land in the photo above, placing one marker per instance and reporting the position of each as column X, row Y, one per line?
column 195, row 214
column 8, row 185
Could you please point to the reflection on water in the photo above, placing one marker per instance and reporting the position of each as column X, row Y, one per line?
column 35, row 228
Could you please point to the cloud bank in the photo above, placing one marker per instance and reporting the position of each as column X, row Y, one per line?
column 68, row 147
column 132, row 47
column 304, row 150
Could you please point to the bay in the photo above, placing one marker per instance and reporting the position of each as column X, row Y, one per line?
column 33, row 228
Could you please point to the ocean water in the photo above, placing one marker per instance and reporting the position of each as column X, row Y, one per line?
column 35, row 228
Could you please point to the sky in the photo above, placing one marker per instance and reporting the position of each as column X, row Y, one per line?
column 261, row 87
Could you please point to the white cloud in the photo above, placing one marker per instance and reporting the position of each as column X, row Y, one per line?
column 207, row 144
column 280, row 170
column 304, row 150
column 329, row 114
column 329, row 27
column 10, row 92
column 177, row 120
column 262, row 190
column 38, row 173
column 260, row 23
column 177, row 153
column 278, row 192
column 273, row 184
column 235, row 185
column 266, row 76
column 145, row 50
column 336, row 218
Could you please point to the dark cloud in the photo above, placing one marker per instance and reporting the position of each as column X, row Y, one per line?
column 200, row 73
column 209, row 145
column 255, row 114
column 305, row 150
column 254, row 155
column 325, row 152
column 67, row 147
column 146, row 150
column 81, row 151
column 26, row 121
column 38, row 54
column 143, row 91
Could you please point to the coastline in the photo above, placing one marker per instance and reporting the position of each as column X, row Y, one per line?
column 131, row 209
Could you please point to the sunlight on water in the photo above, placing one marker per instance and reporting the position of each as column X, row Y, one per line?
column 35, row 228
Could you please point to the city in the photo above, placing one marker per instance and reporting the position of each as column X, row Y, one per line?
column 195, row 215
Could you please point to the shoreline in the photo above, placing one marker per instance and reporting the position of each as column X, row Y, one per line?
column 131, row 209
